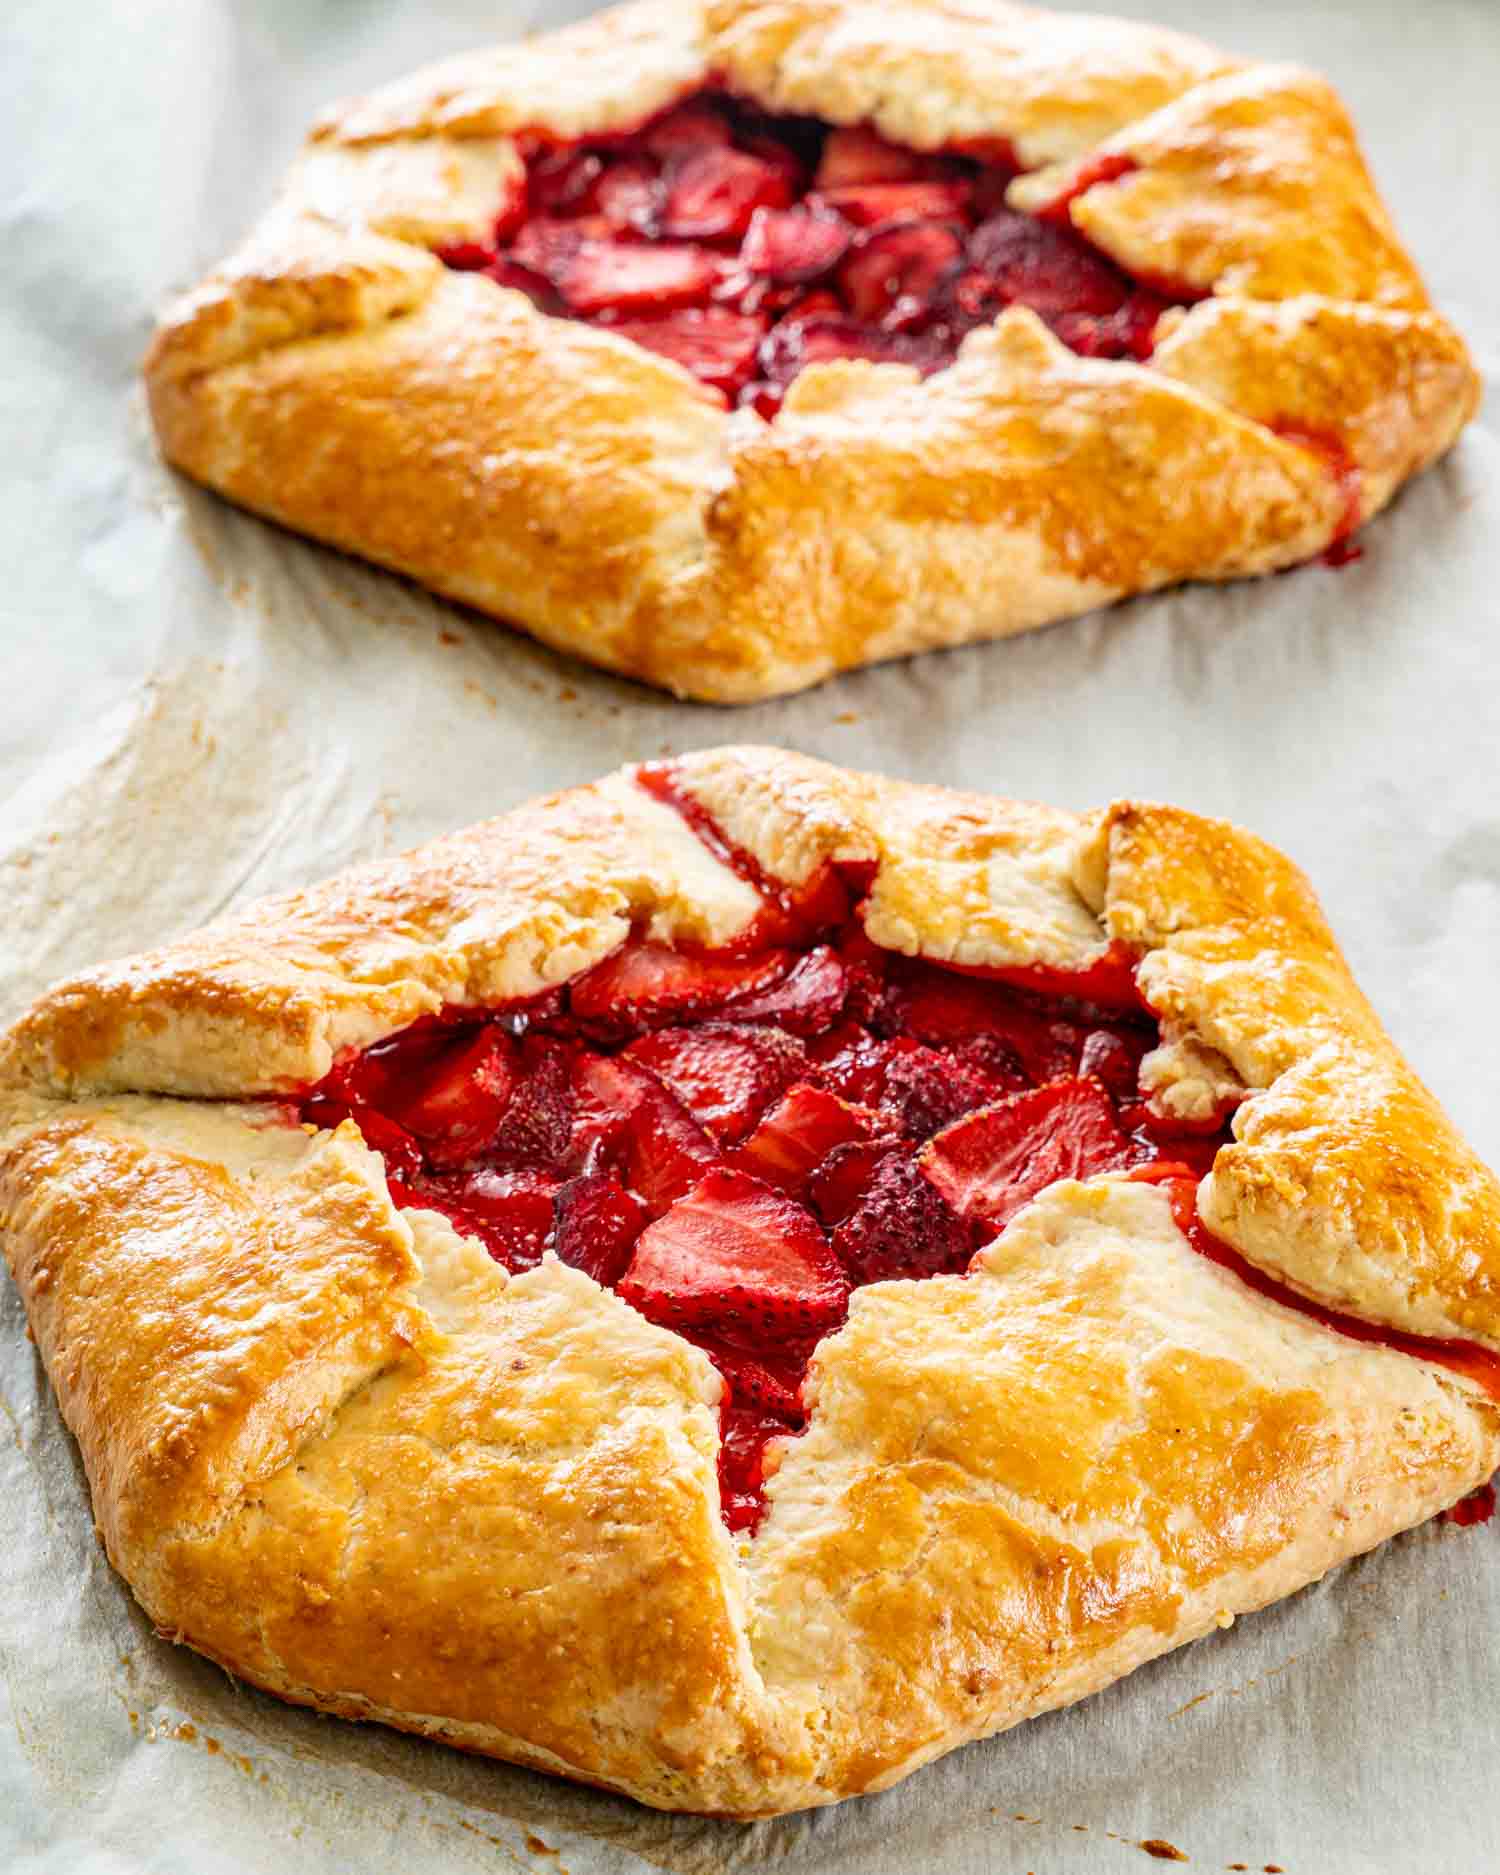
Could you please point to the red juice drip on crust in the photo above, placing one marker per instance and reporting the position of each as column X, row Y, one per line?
column 1349, row 479
column 1468, row 1358
column 1107, row 982
column 825, row 900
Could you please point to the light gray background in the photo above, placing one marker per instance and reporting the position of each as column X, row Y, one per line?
column 197, row 708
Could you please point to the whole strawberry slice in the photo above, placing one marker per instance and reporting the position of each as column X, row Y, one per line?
column 725, row 1075
column 717, row 345
column 900, row 1227
column 645, row 985
column 807, row 1000
column 992, row 1163
column 800, row 1133
column 595, row 1224
column 734, row 1257
column 893, row 276
column 793, row 245
column 712, row 194
column 454, row 1106
column 628, row 1119
column 628, row 277
column 509, row 1212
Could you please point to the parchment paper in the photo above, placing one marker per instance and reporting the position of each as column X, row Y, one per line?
column 198, row 708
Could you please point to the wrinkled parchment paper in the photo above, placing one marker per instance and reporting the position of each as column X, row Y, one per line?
column 197, row 709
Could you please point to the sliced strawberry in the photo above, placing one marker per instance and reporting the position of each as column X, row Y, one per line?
column 1129, row 332
column 547, row 247
column 513, row 211
column 538, row 1122
column 969, row 297
column 712, row 194
column 753, row 1385
column 595, row 1224
column 628, row 195
column 943, row 1008
column 991, row 1164
column 1047, row 268
column 509, row 1212
column 852, row 1063
column 627, row 1117
column 843, row 1178
column 466, row 256
column 865, row 966
column 1114, row 1056
column 807, row 1000
column 510, row 273
column 735, row 1257
column 774, row 149
column 744, row 1434
column 645, row 985
column 901, row 1226
column 872, row 205
column 718, row 346
column 893, row 275
column 695, row 125
column 820, row 304
column 928, row 1088
column 791, row 348
column 724, row 1074
column 617, row 276
column 455, row 1105
column 564, row 182
column 799, row 1134
column 791, row 245
column 857, row 154
column 991, row 184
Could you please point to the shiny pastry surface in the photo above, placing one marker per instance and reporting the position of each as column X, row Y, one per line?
column 447, row 1275
column 1022, row 313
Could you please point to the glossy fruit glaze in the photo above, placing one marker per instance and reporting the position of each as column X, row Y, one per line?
column 736, row 1140
column 745, row 247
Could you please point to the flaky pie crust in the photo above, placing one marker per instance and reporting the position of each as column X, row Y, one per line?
column 335, row 376
column 334, row 1447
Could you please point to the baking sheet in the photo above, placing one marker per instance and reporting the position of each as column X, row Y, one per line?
column 199, row 708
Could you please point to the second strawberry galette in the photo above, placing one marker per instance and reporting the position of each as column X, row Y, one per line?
column 731, row 345
column 730, row 1282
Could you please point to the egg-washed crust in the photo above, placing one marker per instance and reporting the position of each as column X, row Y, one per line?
column 336, row 1448
column 334, row 375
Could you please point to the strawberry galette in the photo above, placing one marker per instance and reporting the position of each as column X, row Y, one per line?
column 730, row 345
column 730, row 1282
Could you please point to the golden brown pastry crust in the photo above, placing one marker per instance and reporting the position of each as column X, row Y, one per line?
column 335, row 377
column 335, row 1447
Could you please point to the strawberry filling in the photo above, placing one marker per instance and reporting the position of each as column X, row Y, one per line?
column 734, row 1141
column 745, row 247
